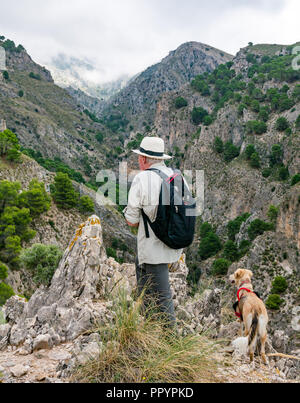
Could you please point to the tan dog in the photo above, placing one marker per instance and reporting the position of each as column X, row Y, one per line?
column 253, row 311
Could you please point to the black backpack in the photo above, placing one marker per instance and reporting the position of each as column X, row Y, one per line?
column 175, row 221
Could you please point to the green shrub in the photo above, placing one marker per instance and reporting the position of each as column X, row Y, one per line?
column 266, row 173
column 250, row 149
column 198, row 115
column 209, row 246
column 9, row 145
column 295, row 179
column 6, row 292
column 283, row 173
column 220, row 267
column 264, row 114
column 233, row 227
column 230, row 151
column 42, row 261
column 17, row 210
column 244, row 248
column 273, row 213
column 255, row 160
column 297, row 123
column 180, row 102
column 3, row 271
column 63, row 192
column 279, row 285
column 35, row 199
column 218, row 145
column 5, row 75
column 21, row 93
column 200, row 85
column 111, row 252
column 13, row 155
column 34, row 76
column 208, row 120
column 258, row 227
column 86, row 205
column 100, row 137
column 230, row 251
column 274, row 301
column 205, row 229
column 256, row 127
column 282, row 124
column 241, row 109
column 276, row 156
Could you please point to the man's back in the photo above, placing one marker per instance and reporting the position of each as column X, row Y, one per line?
column 144, row 195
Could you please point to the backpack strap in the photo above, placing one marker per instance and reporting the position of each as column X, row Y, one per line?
column 146, row 220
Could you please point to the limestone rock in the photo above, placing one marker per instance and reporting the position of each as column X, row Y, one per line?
column 19, row 370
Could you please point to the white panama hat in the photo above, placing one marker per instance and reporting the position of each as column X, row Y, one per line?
column 153, row 147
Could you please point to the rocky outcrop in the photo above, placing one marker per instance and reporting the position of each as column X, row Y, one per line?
column 65, row 310
column 80, row 300
column 80, row 296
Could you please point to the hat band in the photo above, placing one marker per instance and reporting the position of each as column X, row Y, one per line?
column 151, row 153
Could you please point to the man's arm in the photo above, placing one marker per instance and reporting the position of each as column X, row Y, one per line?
column 133, row 210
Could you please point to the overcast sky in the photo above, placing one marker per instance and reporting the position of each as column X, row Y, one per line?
column 127, row 36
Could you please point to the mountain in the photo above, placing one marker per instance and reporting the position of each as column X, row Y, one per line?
column 237, row 118
column 83, row 75
column 137, row 101
column 48, row 120
column 241, row 125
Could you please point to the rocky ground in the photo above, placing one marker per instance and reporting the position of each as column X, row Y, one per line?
column 46, row 366
column 44, row 339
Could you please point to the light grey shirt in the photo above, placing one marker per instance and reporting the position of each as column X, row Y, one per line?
column 144, row 195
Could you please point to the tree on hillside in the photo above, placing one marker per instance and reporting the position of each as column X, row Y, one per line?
column 282, row 124
column 198, row 115
column 63, row 192
column 36, row 198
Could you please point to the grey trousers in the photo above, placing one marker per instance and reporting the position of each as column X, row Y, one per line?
column 154, row 278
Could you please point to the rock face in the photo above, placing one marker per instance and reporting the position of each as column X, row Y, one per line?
column 65, row 310
column 138, row 99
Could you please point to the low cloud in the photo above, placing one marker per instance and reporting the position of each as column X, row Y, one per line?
column 126, row 36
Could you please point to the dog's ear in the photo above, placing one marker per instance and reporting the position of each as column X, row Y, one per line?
column 250, row 274
column 239, row 273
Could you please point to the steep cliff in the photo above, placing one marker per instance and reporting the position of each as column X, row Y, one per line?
column 137, row 101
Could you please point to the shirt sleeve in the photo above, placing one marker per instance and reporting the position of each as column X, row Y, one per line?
column 133, row 210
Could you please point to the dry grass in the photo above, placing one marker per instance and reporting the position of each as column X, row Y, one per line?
column 142, row 349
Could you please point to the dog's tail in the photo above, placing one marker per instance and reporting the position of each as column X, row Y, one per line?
column 253, row 331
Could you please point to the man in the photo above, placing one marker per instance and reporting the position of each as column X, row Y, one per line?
column 153, row 255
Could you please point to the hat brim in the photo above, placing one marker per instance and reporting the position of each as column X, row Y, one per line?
column 164, row 157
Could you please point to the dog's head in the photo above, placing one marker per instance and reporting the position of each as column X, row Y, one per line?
column 240, row 276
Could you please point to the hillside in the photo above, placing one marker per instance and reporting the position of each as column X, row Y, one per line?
column 228, row 116
column 49, row 121
column 56, row 226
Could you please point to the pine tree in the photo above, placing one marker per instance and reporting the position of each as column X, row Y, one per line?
column 63, row 192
